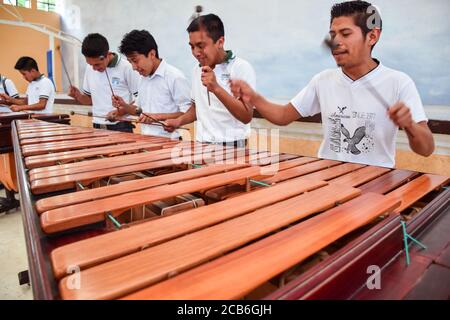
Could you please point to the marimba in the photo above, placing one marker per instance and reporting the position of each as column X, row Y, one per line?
column 103, row 217
column 7, row 166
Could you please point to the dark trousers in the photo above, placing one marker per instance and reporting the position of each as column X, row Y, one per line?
column 120, row 126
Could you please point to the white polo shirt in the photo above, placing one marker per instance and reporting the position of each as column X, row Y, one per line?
column 124, row 81
column 11, row 90
column 215, row 123
column 165, row 91
column 356, row 126
column 41, row 88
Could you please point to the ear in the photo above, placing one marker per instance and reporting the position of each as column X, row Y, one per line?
column 373, row 36
column 220, row 42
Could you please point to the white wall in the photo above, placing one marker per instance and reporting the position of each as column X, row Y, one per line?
column 282, row 38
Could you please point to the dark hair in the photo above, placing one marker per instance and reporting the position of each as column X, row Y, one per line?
column 138, row 41
column 94, row 45
column 26, row 63
column 363, row 17
column 209, row 22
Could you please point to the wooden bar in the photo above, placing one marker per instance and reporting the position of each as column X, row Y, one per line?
column 360, row 176
column 302, row 170
column 110, row 246
column 234, row 275
column 414, row 190
column 157, row 263
column 64, row 200
column 78, row 136
column 58, row 183
column 44, row 148
column 86, row 213
column 389, row 181
column 52, row 159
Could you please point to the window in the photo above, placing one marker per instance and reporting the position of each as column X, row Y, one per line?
column 47, row 5
column 18, row 3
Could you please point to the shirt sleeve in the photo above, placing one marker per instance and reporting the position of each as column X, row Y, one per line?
column 46, row 89
column 181, row 93
column 306, row 102
column 12, row 91
column 86, row 89
column 410, row 97
column 244, row 71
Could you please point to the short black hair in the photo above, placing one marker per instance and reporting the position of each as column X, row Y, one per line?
column 94, row 45
column 363, row 17
column 209, row 22
column 26, row 63
column 138, row 41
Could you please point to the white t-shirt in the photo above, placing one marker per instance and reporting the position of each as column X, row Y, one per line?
column 124, row 81
column 356, row 126
column 165, row 91
column 10, row 90
column 41, row 88
column 215, row 123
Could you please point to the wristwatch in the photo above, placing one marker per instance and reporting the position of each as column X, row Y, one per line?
column 138, row 111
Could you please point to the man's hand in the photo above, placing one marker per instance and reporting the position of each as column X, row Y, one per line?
column 242, row 90
column 112, row 115
column 172, row 124
column 209, row 79
column 143, row 118
column 74, row 92
column 401, row 115
column 4, row 98
column 15, row 108
column 118, row 102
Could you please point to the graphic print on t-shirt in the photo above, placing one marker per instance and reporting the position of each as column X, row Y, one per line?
column 344, row 139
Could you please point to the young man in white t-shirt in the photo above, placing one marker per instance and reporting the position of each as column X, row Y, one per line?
column 221, row 119
column 164, row 92
column 40, row 92
column 7, row 90
column 362, row 103
column 107, row 75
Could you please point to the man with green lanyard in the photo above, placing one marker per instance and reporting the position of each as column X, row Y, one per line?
column 107, row 75
column 221, row 119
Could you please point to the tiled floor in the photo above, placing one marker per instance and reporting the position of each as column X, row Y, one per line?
column 13, row 256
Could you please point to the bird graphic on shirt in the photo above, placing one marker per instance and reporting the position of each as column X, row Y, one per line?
column 353, row 141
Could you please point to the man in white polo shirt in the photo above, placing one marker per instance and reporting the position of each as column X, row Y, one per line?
column 40, row 92
column 362, row 103
column 7, row 90
column 105, row 70
column 164, row 92
column 221, row 119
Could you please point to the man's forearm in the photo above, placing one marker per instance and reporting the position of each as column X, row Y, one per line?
column 237, row 108
column 84, row 99
column 189, row 116
column 277, row 114
column 420, row 138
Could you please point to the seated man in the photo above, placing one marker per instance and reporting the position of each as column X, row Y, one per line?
column 221, row 119
column 7, row 90
column 164, row 92
column 40, row 92
column 362, row 103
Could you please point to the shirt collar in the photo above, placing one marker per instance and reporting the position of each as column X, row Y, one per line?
column 229, row 56
column 39, row 78
column 368, row 76
column 114, row 61
column 161, row 70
